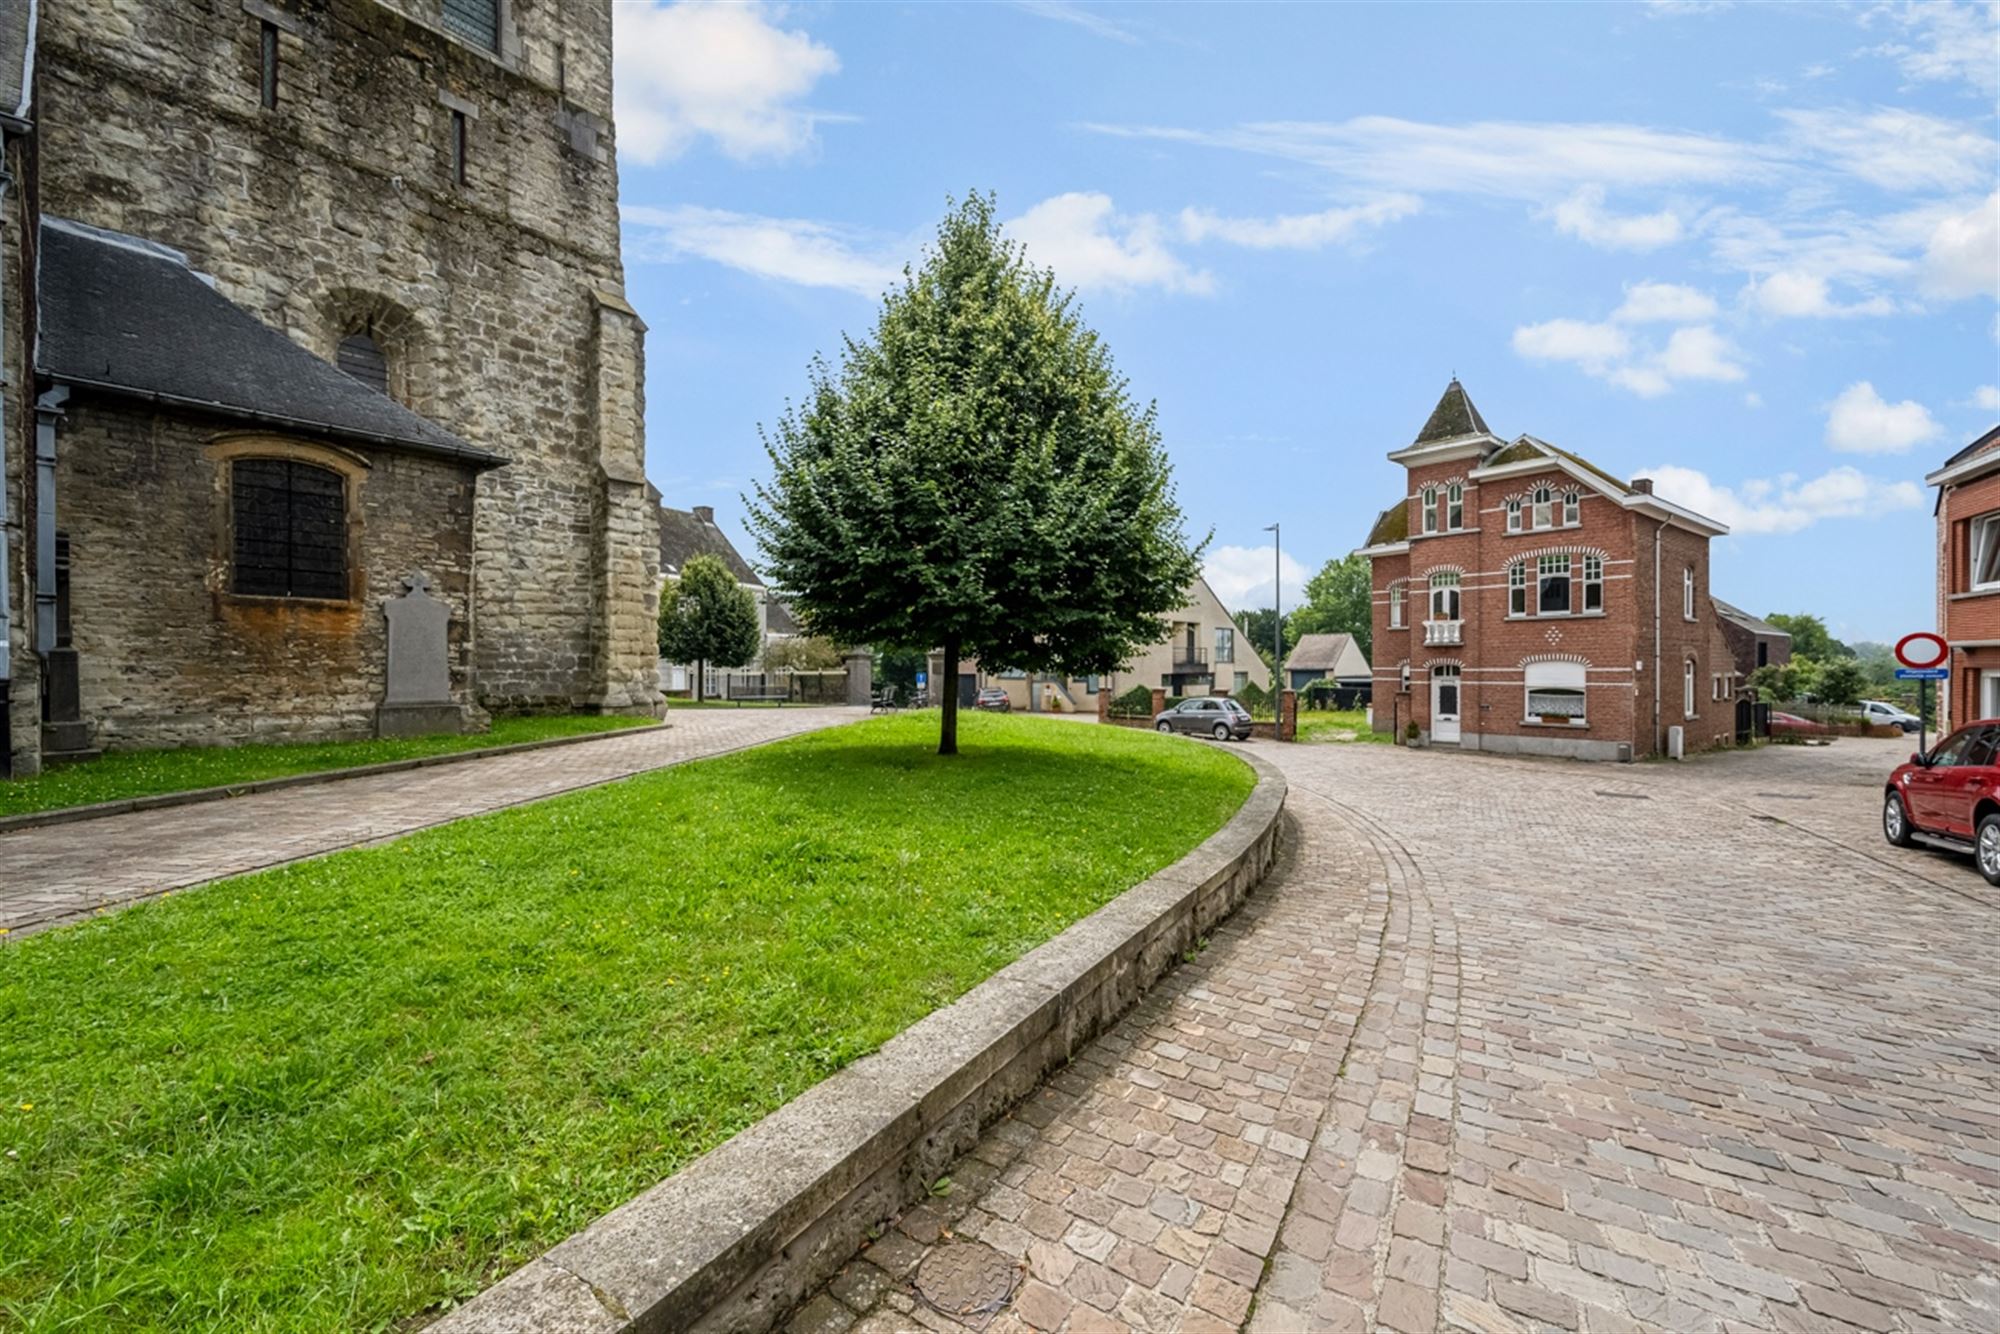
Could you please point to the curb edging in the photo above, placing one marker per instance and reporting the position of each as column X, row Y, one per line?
column 741, row 1235
column 223, row 792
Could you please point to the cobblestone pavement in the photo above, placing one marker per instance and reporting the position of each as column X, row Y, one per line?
column 1508, row 1045
column 60, row 872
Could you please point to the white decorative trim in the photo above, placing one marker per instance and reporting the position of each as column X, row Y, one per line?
column 1458, row 570
column 1574, row 659
column 1536, row 553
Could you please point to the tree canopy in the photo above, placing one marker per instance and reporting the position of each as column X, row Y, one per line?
column 1339, row 599
column 707, row 617
column 975, row 475
column 1810, row 637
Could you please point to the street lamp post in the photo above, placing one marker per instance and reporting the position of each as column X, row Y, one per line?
column 1277, row 616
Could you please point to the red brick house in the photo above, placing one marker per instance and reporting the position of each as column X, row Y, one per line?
column 1968, row 579
column 1527, row 601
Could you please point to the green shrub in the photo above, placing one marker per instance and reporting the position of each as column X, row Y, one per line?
column 1134, row 703
column 1411, row 731
column 1254, row 698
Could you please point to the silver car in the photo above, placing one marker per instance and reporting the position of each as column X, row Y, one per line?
column 1210, row 715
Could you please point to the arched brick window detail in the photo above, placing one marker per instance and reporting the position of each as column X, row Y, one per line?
column 362, row 357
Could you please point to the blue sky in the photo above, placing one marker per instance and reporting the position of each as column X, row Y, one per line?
column 1750, row 251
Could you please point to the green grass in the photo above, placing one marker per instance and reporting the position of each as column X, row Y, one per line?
column 145, row 773
column 1330, row 724
column 340, row 1094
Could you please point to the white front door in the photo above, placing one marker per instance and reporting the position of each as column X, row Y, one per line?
column 1444, row 703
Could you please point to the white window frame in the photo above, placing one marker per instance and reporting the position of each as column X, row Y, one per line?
column 1687, row 689
column 1405, row 678
column 1543, row 501
column 1225, row 643
column 1396, row 595
column 1428, row 497
column 1572, row 508
column 1556, row 565
column 1983, row 552
column 1454, row 507
column 1593, row 584
column 1517, row 588
column 1513, row 514
column 1687, row 593
column 1446, row 600
column 1555, row 678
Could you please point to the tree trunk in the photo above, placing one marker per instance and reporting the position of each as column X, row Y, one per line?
column 948, row 690
column 700, row 680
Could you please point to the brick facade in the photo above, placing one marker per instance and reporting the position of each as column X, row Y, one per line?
column 1968, row 600
column 1628, row 647
column 495, row 292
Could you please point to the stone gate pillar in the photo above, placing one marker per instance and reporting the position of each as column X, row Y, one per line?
column 1288, row 715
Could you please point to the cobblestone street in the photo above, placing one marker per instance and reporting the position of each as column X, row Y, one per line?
column 1508, row 1045
column 60, row 872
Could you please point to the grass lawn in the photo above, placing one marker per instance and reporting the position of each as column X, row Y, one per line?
column 145, row 773
column 340, row 1094
column 1336, row 725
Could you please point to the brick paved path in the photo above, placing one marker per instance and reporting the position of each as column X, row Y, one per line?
column 59, row 872
column 1522, row 1046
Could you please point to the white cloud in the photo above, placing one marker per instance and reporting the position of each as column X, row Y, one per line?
column 1511, row 159
column 1860, row 421
column 792, row 250
column 1583, row 216
column 1091, row 246
column 1791, row 294
column 1694, row 352
column 701, row 69
column 1078, row 16
column 1297, row 231
column 1241, row 577
column 1784, row 504
column 1664, row 303
column 1947, row 41
column 1896, row 149
column 1987, row 398
column 1962, row 257
column 1594, row 347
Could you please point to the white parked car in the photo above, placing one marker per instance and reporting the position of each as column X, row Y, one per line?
column 1880, row 711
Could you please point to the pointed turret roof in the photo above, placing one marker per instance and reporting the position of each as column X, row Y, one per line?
column 1454, row 416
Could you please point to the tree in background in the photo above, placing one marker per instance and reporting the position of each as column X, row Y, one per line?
column 1878, row 664
column 976, row 476
column 801, row 653
column 1810, row 638
column 707, row 617
column 1841, row 683
column 1339, row 600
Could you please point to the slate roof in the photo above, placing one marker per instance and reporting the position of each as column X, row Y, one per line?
column 1754, row 624
column 15, row 57
column 1524, row 449
column 1454, row 416
column 126, row 316
column 1335, row 653
column 685, row 534
column 1391, row 525
column 778, row 618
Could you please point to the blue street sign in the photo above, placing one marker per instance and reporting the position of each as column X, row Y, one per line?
column 922, row 677
column 1922, row 673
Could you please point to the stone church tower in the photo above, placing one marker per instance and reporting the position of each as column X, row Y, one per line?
column 421, row 193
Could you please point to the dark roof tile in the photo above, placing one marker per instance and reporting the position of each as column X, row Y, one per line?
column 1453, row 416
column 685, row 534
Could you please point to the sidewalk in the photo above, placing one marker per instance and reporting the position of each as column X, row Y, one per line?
column 60, row 872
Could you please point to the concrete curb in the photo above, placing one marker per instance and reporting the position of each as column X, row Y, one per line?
column 195, row 796
column 740, row 1236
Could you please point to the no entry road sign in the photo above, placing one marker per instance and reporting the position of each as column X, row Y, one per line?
column 1922, row 649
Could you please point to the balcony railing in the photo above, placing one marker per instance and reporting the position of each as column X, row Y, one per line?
column 1444, row 632
column 1187, row 659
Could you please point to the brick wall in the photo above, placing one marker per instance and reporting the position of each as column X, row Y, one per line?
column 168, row 655
column 1969, row 621
column 499, row 301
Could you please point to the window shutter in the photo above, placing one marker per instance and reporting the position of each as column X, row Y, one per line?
column 361, row 357
column 476, row 21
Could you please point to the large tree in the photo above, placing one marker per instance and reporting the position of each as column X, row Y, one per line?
column 976, row 476
column 1340, row 598
column 1810, row 638
column 707, row 617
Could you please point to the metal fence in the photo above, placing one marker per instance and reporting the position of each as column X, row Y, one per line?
column 818, row 687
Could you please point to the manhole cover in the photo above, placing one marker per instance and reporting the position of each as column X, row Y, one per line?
column 967, row 1279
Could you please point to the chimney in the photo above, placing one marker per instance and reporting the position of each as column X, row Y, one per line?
column 1643, row 485
column 706, row 513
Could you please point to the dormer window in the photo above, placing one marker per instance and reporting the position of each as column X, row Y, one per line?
column 1454, row 507
column 1429, row 497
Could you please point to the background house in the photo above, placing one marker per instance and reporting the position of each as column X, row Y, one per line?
column 685, row 534
column 1334, row 657
column 1753, row 642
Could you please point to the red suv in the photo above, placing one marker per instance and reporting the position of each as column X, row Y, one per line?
column 1951, row 797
